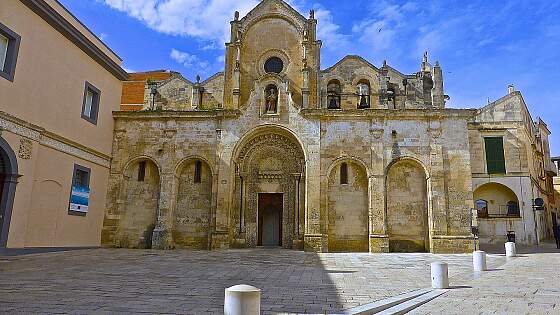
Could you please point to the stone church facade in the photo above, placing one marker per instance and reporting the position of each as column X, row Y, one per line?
column 275, row 151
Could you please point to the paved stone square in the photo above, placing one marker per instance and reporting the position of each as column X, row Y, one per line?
column 193, row 282
column 528, row 284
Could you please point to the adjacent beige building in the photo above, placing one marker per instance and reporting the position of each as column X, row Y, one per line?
column 58, row 87
column 275, row 151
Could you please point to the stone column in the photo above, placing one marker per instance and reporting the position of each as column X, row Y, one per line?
column 236, row 75
column 161, row 237
column 378, row 239
column 297, row 242
column 383, row 86
column 313, row 239
column 305, row 89
column 438, row 212
column 224, row 172
column 196, row 98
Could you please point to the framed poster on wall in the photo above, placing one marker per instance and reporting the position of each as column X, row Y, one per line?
column 80, row 192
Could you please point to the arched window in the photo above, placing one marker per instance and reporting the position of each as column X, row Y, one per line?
column 333, row 94
column 344, row 174
column 141, row 171
column 198, row 172
column 513, row 209
column 363, row 94
column 482, row 208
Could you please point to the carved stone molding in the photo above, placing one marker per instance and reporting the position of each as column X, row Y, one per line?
column 25, row 148
column 43, row 137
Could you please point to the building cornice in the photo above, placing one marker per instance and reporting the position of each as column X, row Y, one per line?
column 388, row 113
column 58, row 22
column 52, row 140
column 170, row 114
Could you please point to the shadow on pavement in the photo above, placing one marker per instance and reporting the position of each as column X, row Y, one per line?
column 7, row 252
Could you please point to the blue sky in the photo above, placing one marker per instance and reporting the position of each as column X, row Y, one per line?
column 482, row 45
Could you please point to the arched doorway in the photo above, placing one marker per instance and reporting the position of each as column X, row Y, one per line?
column 192, row 213
column 347, row 206
column 138, row 214
column 8, row 181
column 407, row 207
column 496, row 200
column 269, row 189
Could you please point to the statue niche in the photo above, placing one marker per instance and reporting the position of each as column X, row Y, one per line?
column 271, row 99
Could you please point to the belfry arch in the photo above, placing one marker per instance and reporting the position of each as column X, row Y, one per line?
column 268, row 197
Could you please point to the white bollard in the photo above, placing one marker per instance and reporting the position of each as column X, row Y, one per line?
column 440, row 276
column 242, row 300
column 510, row 249
column 479, row 261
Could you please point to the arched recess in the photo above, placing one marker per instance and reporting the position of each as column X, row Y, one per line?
column 140, row 193
column 193, row 208
column 269, row 176
column 407, row 206
column 500, row 200
column 8, row 182
column 347, row 207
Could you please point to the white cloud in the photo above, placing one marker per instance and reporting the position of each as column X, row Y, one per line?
column 183, row 57
column 204, row 19
column 190, row 61
column 329, row 32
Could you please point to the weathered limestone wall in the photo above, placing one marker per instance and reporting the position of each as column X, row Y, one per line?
column 193, row 209
column 213, row 92
column 407, row 207
column 166, row 141
column 348, row 206
column 139, row 206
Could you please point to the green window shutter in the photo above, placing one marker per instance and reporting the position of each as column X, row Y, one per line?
column 495, row 159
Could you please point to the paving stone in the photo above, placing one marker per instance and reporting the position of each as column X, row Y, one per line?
column 193, row 282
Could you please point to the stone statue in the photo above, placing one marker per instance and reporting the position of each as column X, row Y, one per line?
column 271, row 99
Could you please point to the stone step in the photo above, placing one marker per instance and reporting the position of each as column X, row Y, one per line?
column 409, row 305
column 379, row 306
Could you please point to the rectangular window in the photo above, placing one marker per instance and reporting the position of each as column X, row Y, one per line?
column 90, row 107
column 344, row 174
column 3, row 51
column 9, row 47
column 198, row 172
column 141, row 171
column 495, row 158
column 80, row 192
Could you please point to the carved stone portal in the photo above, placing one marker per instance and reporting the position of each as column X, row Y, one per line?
column 270, row 163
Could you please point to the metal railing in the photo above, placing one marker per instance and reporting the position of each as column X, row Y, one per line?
column 501, row 211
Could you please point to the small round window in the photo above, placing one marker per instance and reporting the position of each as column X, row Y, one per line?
column 274, row 65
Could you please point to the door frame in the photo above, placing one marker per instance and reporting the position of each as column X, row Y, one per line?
column 9, row 188
column 260, row 221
